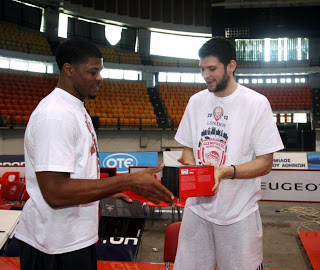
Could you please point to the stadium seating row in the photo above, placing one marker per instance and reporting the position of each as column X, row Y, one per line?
column 294, row 97
column 122, row 103
column 126, row 103
column 14, row 39
column 113, row 56
column 174, row 62
column 118, row 102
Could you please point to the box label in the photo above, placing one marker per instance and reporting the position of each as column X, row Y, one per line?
column 184, row 171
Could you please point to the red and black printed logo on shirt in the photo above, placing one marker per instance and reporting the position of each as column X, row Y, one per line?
column 94, row 145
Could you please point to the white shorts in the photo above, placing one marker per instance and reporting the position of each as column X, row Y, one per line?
column 204, row 245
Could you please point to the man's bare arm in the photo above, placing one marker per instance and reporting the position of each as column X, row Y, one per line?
column 260, row 166
column 59, row 190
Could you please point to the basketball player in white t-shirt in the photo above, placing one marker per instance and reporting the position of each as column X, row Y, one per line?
column 231, row 127
column 58, row 227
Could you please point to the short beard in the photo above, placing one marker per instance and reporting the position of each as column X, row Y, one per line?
column 222, row 84
column 92, row 96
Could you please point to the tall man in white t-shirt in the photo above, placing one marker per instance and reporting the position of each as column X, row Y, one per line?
column 230, row 127
column 58, row 227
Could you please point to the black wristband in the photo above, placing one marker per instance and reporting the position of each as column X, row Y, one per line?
column 234, row 172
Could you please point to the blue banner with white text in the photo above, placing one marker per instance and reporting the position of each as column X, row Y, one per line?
column 122, row 161
column 11, row 160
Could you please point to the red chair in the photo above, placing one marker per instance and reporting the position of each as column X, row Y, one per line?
column 25, row 196
column 171, row 243
column 134, row 196
column 104, row 175
column 12, row 193
column 2, row 185
column 171, row 239
column 11, row 176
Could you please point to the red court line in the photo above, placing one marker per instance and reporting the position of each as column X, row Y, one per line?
column 12, row 263
column 311, row 243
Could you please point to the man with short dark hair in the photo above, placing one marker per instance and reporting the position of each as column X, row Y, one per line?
column 230, row 127
column 58, row 227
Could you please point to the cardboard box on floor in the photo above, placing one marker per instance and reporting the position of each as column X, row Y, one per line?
column 188, row 181
column 120, row 218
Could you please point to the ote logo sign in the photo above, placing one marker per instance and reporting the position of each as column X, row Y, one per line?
column 121, row 161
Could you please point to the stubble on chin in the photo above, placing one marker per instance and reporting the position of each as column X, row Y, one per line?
column 221, row 86
column 215, row 89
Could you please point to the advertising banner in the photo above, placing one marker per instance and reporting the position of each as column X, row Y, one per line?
column 295, row 176
column 281, row 160
column 291, row 186
column 314, row 161
column 12, row 163
column 123, row 249
column 122, row 161
column 289, row 160
column 171, row 158
column 11, row 160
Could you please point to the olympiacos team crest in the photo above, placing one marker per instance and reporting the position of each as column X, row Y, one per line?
column 212, row 149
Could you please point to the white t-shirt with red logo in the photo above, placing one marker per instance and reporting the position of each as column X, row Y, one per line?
column 59, row 137
column 228, row 130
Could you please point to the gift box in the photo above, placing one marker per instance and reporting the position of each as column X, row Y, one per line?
column 189, row 181
column 119, row 218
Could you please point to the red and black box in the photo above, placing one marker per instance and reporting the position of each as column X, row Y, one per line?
column 120, row 218
column 188, row 181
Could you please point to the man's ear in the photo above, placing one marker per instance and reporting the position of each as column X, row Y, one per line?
column 232, row 66
column 68, row 69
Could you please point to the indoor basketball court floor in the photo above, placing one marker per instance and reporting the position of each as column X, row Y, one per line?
column 283, row 249
column 291, row 239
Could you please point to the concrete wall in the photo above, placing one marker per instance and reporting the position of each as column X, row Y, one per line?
column 11, row 141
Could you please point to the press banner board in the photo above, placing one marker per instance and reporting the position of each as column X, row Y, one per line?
column 12, row 163
column 12, row 160
column 294, row 176
column 281, row 160
column 123, row 249
column 122, row 161
column 293, row 185
column 289, row 160
column 171, row 158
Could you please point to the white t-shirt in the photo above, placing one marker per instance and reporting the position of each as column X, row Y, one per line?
column 59, row 137
column 228, row 130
